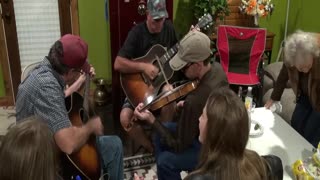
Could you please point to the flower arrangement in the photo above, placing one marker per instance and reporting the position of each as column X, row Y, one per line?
column 256, row 8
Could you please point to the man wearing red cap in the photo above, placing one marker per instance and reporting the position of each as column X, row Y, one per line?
column 42, row 94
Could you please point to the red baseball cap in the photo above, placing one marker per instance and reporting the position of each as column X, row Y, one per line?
column 75, row 52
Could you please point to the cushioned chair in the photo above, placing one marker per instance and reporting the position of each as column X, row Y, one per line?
column 26, row 70
column 240, row 50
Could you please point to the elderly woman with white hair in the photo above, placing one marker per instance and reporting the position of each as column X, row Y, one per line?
column 302, row 67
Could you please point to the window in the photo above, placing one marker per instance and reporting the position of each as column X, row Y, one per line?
column 38, row 27
column 29, row 28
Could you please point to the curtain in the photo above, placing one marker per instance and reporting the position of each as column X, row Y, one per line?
column 38, row 28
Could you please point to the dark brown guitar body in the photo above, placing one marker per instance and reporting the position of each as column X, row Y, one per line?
column 139, row 88
column 84, row 163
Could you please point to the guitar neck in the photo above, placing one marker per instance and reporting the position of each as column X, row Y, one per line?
column 204, row 21
column 170, row 53
column 86, row 93
column 173, row 50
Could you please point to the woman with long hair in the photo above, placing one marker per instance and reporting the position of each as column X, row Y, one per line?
column 224, row 133
column 28, row 152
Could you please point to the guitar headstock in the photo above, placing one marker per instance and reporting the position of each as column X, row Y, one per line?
column 204, row 21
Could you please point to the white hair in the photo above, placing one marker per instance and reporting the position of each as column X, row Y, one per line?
column 305, row 42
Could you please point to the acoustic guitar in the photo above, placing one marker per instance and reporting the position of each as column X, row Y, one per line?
column 137, row 86
column 84, row 163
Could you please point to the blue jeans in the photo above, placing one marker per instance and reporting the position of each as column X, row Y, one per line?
column 306, row 121
column 170, row 163
column 111, row 153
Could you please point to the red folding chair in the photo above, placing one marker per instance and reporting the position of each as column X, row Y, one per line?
column 241, row 50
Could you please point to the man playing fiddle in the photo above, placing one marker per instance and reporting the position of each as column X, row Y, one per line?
column 177, row 145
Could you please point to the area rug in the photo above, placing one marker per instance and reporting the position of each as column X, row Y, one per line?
column 144, row 165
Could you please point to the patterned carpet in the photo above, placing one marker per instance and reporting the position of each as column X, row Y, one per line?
column 144, row 165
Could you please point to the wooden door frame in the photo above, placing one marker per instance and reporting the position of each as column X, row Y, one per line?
column 11, row 68
column 10, row 57
column 8, row 93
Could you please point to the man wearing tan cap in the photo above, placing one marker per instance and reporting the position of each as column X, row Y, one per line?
column 155, row 30
column 42, row 94
column 177, row 146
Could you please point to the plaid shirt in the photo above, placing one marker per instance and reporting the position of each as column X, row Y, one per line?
column 42, row 94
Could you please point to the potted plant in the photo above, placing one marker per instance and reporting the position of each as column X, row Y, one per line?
column 217, row 8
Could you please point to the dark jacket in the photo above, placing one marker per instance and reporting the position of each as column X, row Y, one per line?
column 313, row 83
column 310, row 85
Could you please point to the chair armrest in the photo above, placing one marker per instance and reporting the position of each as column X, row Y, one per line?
column 266, row 73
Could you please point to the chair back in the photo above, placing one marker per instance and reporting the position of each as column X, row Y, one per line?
column 26, row 70
column 241, row 50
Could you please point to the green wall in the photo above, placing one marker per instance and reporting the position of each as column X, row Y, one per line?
column 94, row 28
column 182, row 16
column 302, row 15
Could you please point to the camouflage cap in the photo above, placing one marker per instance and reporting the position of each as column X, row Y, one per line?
column 157, row 9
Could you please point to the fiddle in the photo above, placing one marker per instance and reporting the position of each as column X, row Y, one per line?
column 168, row 97
column 171, row 95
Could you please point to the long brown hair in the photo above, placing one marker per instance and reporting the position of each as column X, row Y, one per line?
column 28, row 152
column 224, row 155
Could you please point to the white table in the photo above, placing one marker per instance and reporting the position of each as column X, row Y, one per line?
column 280, row 139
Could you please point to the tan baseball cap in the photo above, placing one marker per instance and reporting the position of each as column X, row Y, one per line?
column 194, row 47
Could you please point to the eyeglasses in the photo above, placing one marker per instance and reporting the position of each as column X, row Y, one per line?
column 187, row 66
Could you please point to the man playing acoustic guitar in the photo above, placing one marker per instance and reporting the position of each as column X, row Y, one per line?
column 177, row 145
column 42, row 94
column 155, row 30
